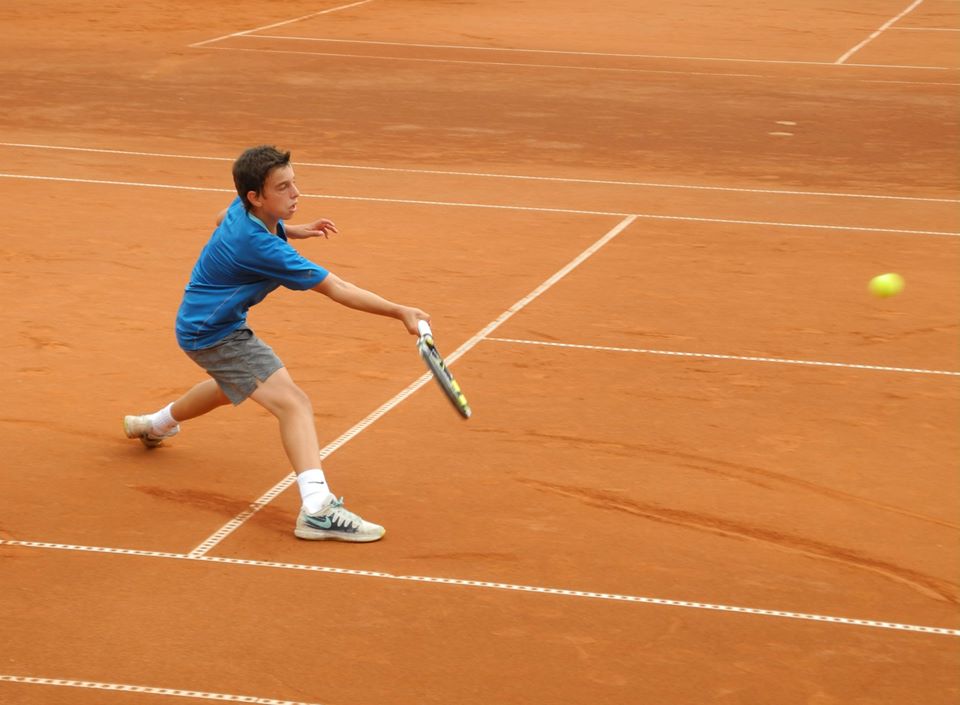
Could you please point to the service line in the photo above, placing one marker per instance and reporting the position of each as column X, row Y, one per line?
column 715, row 356
column 488, row 175
column 508, row 207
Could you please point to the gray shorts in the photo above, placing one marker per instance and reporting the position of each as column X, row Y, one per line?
column 238, row 363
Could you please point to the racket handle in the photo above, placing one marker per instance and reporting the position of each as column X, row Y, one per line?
column 424, row 328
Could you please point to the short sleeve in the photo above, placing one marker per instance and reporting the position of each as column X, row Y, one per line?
column 271, row 257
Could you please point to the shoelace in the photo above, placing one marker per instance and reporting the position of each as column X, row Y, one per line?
column 343, row 516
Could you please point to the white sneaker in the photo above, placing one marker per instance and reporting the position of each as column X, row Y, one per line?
column 335, row 523
column 141, row 427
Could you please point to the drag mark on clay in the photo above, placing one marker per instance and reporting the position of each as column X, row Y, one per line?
column 759, row 477
column 47, row 426
column 212, row 501
column 45, row 343
column 932, row 587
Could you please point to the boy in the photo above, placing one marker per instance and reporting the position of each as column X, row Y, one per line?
column 247, row 257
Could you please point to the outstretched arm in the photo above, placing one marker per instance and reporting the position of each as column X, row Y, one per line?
column 352, row 296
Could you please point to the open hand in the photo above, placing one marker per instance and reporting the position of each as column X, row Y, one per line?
column 318, row 228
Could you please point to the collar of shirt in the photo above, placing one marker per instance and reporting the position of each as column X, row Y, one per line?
column 280, row 229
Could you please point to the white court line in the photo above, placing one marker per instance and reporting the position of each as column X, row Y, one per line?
column 548, row 66
column 529, row 209
column 909, row 83
column 534, row 589
column 224, row 531
column 277, row 24
column 466, row 62
column 744, row 358
column 670, row 57
column 268, row 496
column 146, row 690
column 487, row 175
column 885, row 26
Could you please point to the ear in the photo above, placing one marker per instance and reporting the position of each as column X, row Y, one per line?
column 254, row 199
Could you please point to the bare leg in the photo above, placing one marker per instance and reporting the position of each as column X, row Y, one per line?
column 203, row 398
column 284, row 399
column 328, row 519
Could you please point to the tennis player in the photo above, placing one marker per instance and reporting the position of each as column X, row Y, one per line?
column 247, row 257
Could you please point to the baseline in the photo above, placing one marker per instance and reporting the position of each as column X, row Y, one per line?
column 554, row 52
column 535, row 589
column 559, row 66
column 146, row 690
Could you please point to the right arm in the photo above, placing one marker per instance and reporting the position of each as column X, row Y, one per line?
column 354, row 297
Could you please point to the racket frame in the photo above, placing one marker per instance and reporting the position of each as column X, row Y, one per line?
column 441, row 373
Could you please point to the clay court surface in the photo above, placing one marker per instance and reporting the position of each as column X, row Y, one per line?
column 705, row 465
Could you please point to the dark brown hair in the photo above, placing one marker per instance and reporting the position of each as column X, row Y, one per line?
column 251, row 169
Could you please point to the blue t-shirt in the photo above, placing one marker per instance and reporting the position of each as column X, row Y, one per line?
column 238, row 267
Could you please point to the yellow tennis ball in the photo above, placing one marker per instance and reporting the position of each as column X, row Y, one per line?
column 884, row 285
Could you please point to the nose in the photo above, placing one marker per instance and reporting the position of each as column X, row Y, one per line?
column 295, row 192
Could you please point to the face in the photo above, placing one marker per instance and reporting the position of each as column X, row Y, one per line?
column 278, row 199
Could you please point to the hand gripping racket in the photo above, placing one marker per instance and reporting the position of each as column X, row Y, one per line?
column 430, row 355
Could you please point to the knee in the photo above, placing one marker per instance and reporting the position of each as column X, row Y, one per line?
column 302, row 400
column 294, row 401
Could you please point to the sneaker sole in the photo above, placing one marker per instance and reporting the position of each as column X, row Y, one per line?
column 318, row 535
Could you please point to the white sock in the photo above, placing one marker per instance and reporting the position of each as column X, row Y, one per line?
column 314, row 490
column 163, row 421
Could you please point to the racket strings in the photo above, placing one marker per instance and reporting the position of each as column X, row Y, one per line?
column 443, row 375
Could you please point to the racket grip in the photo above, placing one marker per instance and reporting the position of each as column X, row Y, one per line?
column 424, row 328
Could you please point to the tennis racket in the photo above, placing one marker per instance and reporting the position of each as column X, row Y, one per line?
column 441, row 373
